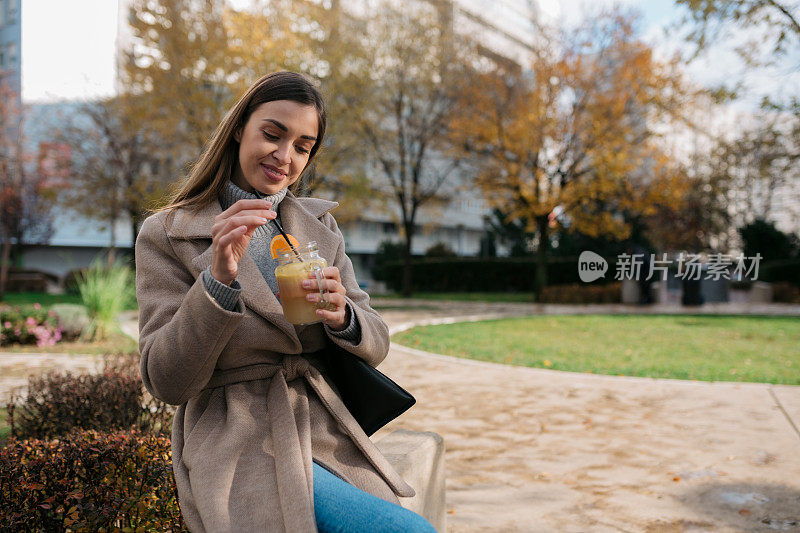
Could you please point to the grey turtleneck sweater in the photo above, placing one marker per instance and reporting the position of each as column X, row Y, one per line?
column 228, row 296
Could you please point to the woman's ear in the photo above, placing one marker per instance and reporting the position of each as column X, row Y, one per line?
column 237, row 134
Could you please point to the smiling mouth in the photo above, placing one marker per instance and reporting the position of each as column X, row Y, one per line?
column 273, row 173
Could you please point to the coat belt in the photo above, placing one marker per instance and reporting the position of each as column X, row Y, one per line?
column 288, row 454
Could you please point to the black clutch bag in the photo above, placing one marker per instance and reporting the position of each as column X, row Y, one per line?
column 372, row 398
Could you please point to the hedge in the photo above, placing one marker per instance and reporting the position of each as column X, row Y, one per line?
column 787, row 270
column 496, row 274
column 56, row 403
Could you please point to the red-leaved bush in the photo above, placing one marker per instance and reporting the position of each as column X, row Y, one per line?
column 89, row 481
column 57, row 403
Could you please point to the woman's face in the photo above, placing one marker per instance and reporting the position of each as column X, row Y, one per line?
column 274, row 146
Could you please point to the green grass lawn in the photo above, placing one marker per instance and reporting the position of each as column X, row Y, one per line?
column 707, row 348
column 30, row 298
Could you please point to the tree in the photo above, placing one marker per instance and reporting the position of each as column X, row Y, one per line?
column 777, row 21
column 113, row 165
column 573, row 142
column 762, row 237
column 183, row 69
column 511, row 232
column 412, row 68
column 192, row 59
column 24, row 217
column 332, row 45
column 761, row 161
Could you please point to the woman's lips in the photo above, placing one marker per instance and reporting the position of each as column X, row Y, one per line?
column 272, row 173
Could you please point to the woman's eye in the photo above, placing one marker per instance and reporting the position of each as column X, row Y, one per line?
column 270, row 137
column 302, row 150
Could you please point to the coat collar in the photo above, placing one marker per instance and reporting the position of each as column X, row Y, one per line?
column 299, row 216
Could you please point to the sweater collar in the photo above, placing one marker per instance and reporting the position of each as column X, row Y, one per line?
column 233, row 193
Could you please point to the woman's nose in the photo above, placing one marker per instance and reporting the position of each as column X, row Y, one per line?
column 282, row 153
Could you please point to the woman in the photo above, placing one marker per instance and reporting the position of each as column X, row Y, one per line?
column 260, row 441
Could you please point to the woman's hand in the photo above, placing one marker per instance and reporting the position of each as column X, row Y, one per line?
column 334, row 315
column 231, row 234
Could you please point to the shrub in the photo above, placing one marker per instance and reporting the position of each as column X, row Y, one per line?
column 387, row 252
column 764, row 238
column 581, row 294
column 784, row 292
column 28, row 325
column 787, row 270
column 104, row 292
column 57, row 403
column 89, row 481
column 72, row 319
column 440, row 249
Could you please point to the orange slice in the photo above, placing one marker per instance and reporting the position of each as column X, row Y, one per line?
column 279, row 245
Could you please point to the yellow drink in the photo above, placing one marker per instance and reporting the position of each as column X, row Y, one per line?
column 296, row 308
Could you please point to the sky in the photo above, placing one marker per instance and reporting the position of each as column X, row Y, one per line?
column 68, row 48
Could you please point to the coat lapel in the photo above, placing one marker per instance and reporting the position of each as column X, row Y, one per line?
column 300, row 217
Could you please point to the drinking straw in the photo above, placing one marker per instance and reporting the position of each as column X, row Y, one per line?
column 280, row 228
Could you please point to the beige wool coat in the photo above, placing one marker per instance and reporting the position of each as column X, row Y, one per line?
column 254, row 411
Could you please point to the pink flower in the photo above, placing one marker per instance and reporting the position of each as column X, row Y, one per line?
column 7, row 325
column 37, row 306
column 30, row 321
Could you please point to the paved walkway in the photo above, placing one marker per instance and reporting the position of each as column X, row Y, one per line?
column 540, row 450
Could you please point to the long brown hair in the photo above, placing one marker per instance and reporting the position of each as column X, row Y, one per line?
column 210, row 174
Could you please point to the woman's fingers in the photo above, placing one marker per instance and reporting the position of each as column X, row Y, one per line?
column 332, row 273
column 229, row 237
column 335, row 313
column 245, row 205
column 226, row 225
column 331, row 285
column 332, row 280
column 335, row 298
column 231, row 232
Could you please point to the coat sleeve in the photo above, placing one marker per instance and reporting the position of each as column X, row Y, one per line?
column 374, row 343
column 182, row 329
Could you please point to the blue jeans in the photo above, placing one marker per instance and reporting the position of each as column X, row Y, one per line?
column 341, row 507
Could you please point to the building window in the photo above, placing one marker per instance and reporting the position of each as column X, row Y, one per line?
column 389, row 228
column 368, row 230
column 2, row 58
column 12, row 54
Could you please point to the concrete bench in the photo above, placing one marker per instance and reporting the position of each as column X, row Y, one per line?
column 418, row 456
